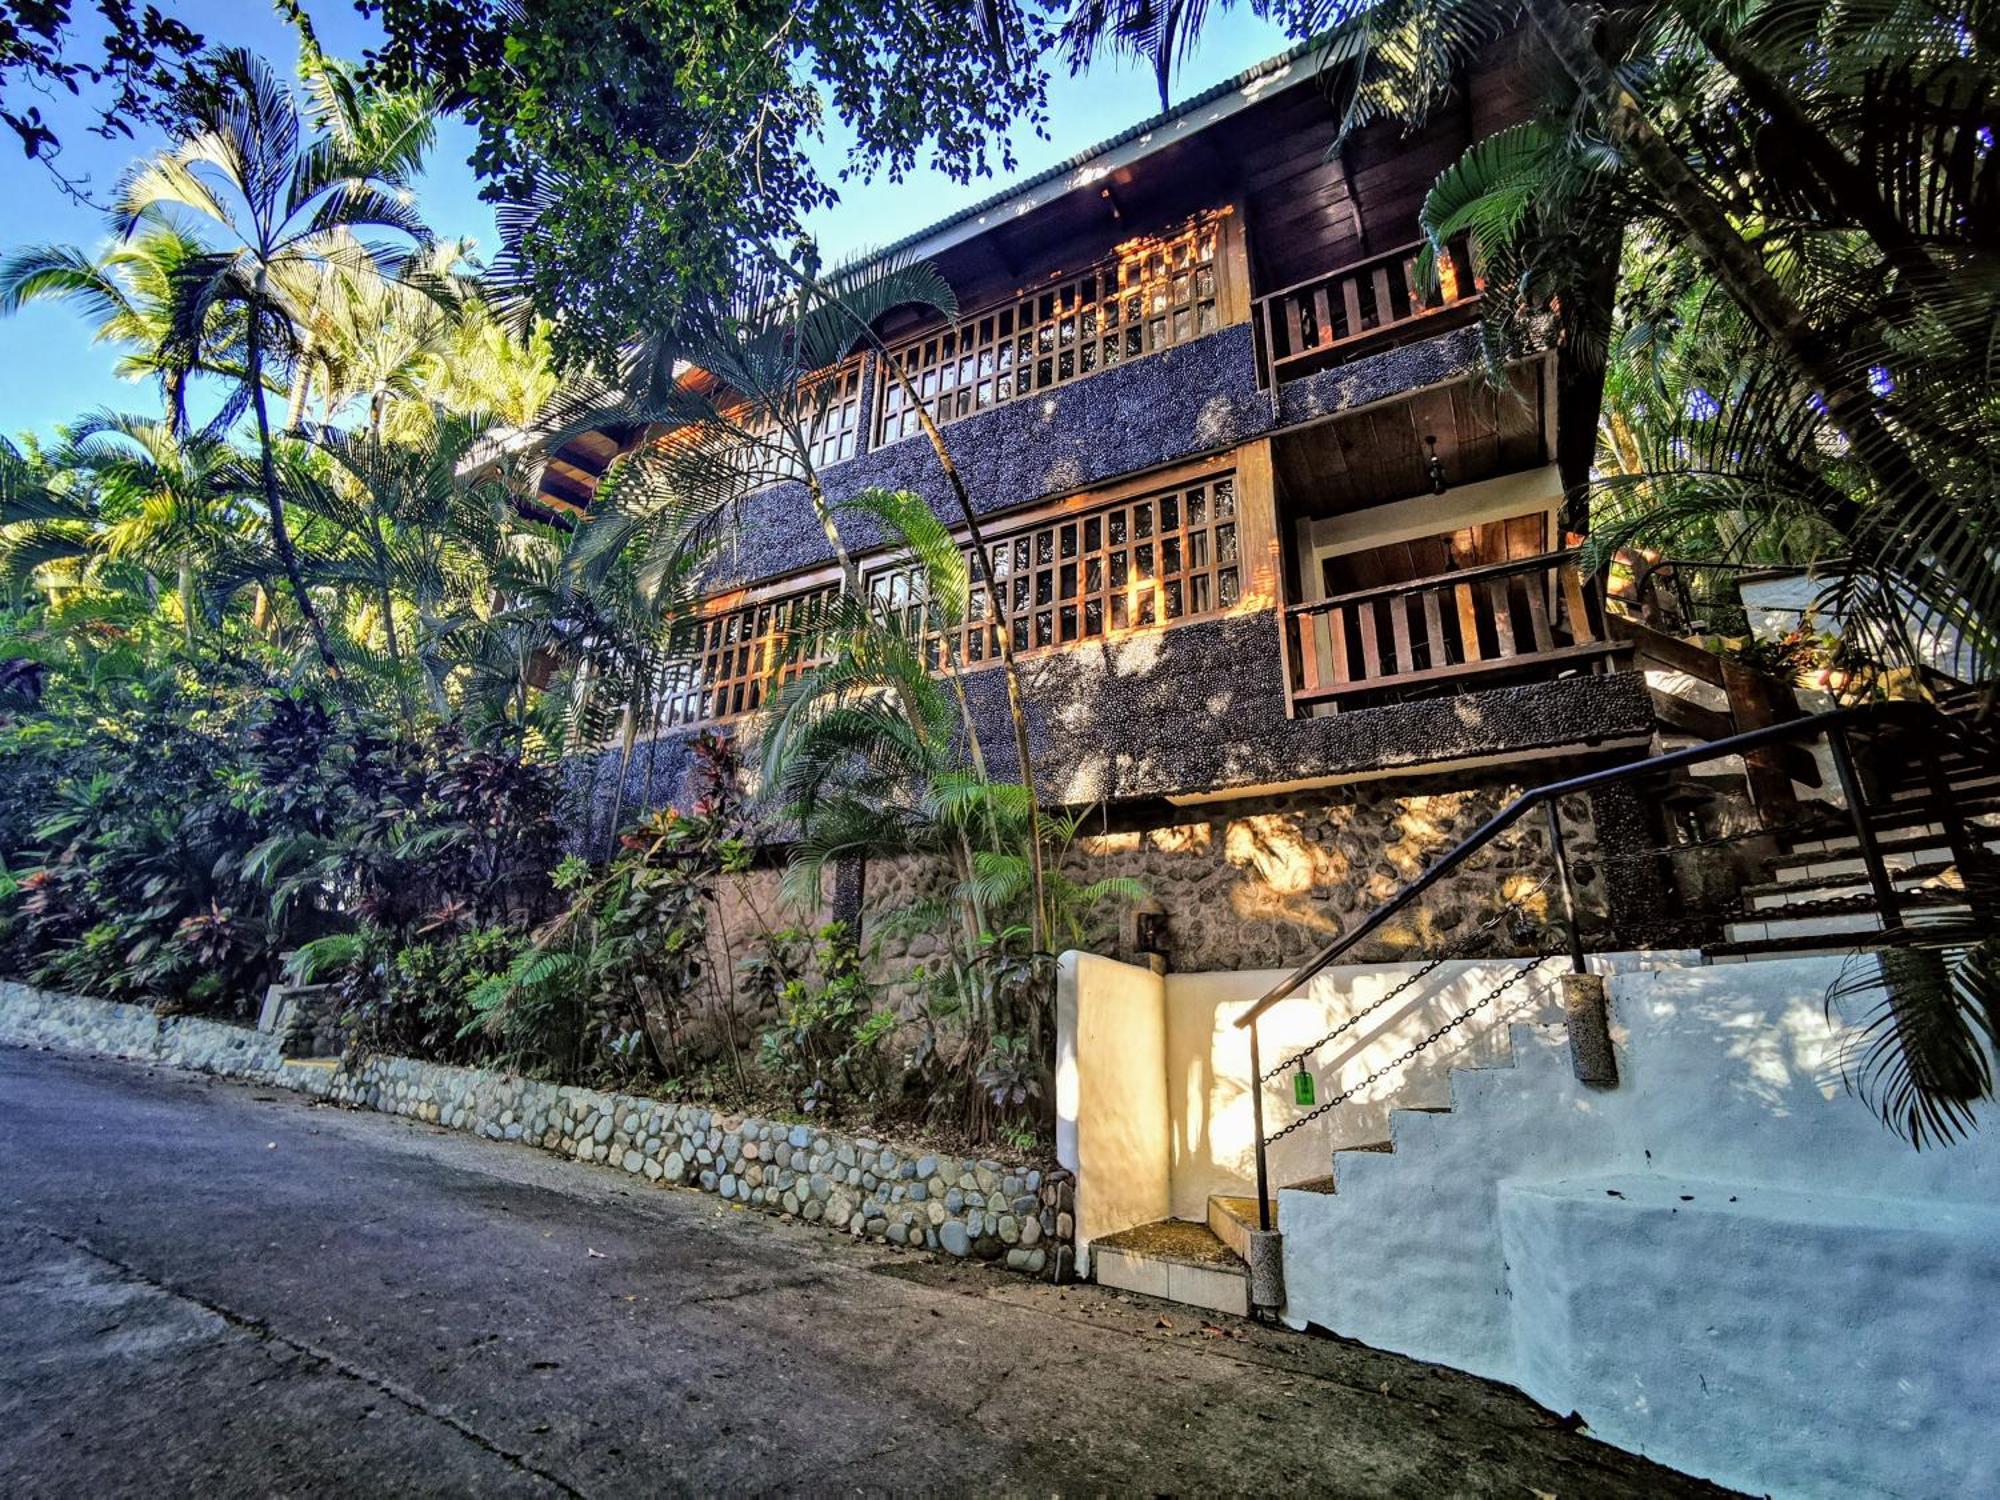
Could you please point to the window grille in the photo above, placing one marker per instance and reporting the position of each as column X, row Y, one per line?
column 1154, row 294
column 834, row 436
column 1090, row 575
column 732, row 661
column 1160, row 558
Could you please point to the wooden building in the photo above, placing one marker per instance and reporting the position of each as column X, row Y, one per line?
column 1270, row 542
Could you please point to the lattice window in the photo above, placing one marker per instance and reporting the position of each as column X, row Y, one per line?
column 1154, row 294
column 732, row 661
column 1169, row 556
column 833, row 437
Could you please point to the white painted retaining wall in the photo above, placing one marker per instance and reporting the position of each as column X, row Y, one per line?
column 1726, row 1263
column 1153, row 1075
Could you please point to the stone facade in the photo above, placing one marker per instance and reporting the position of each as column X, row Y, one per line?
column 1262, row 883
column 1014, row 1214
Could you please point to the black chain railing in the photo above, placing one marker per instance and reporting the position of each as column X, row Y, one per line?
column 1514, row 908
column 1409, row 1053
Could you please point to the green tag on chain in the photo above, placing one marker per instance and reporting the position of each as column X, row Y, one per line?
column 1302, row 1088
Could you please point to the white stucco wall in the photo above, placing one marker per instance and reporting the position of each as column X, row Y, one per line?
column 1111, row 1097
column 1725, row 1263
column 1778, row 605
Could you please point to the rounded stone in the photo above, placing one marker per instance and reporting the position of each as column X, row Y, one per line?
column 633, row 1161
column 953, row 1239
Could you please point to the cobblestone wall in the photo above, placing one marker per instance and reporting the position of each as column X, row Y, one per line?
column 1011, row 1213
column 1262, row 883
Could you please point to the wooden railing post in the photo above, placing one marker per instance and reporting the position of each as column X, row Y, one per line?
column 1403, row 634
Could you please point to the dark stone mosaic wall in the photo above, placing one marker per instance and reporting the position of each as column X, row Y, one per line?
column 1190, row 400
column 1361, row 382
column 1201, row 708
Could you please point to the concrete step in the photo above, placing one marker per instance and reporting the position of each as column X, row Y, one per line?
column 1775, row 894
column 1371, row 1147
column 1233, row 1219
column 1177, row 1261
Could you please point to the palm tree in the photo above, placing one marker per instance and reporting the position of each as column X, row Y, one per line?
column 171, row 496
column 845, row 298
column 410, row 526
column 872, row 752
column 267, row 199
column 129, row 293
column 1160, row 33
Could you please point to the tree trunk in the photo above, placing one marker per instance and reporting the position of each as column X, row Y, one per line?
column 1017, row 706
column 274, row 504
column 187, row 599
column 850, row 571
column 295, row 404
column 1735, row 264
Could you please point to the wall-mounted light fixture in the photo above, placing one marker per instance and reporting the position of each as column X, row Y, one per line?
column 1434, row 466
column 1149, row 934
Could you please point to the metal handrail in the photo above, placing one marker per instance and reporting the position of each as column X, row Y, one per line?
column 1834, row 724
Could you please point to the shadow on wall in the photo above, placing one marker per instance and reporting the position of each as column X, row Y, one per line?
column 1200, row 708
column 1265, row 882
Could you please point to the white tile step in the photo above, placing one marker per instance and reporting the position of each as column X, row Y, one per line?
column 1894, row 861
column 1834, row 924
column 1177, row 1261
column 1980, row 824
column 1773, row 901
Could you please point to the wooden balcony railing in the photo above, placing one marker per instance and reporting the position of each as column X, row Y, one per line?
column 1515, row 616
column 1343, row 313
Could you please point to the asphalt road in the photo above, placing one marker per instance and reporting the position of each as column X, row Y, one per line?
column 209, row 1290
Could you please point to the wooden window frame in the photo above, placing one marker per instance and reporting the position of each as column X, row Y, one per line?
column 1153, row 294
column 725, row 676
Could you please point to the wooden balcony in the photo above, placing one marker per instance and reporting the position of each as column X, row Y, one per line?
column 1362, row 307
column 1535, row 616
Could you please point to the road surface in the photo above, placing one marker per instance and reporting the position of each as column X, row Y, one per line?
column 210, row 1289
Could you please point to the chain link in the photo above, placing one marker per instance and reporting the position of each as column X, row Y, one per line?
column 1462, row 949
column 1391, row 1066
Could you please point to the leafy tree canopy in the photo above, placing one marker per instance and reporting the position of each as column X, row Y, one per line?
column 137, row 63
column 632, row 148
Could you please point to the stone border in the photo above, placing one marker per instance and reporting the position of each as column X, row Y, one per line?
column 1017, row 1216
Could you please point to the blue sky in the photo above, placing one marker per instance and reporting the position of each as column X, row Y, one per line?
column 51, row 373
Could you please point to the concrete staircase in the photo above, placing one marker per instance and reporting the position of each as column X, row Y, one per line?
column 1683, row 1259
column 1208, row 1265
column 1817, row 897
